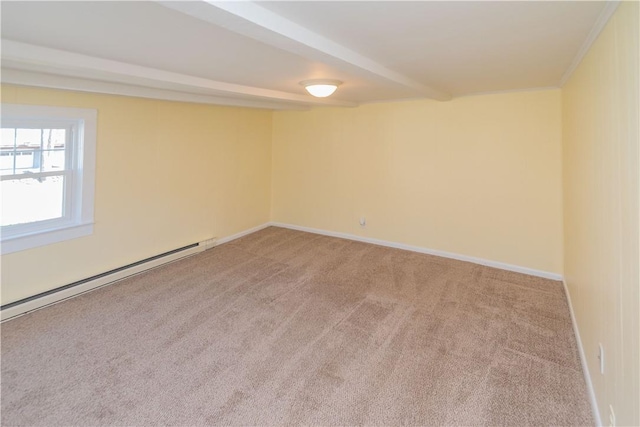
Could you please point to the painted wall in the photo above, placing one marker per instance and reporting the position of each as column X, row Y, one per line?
column 601, row 215
column 477, row 176
column 167, row 174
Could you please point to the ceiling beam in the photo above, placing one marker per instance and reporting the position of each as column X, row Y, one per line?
column 30, row 57
column 53, row 81
column 254, row 21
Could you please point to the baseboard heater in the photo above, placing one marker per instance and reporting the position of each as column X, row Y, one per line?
column 71, row 290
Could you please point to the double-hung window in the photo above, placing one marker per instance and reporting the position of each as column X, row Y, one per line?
column 47, row 170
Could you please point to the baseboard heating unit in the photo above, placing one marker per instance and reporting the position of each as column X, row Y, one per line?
column 71, row 290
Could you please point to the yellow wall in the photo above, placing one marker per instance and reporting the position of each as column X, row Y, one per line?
column 477, row 176
column 601, row 215
column 167, row 174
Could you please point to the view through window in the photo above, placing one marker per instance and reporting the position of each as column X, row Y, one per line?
column 33, row 160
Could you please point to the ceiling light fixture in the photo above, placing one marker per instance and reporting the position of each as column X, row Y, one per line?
column 321, row 88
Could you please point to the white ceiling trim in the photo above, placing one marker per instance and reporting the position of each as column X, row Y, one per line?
column 261, row 24
column 59, row 62
column 507, row 91
column 597, row 28
column 51, row 81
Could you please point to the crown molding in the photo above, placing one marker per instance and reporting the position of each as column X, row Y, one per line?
column 597, row 28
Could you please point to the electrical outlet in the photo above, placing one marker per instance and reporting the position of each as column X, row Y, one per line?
column 363, row 221
column 612, row 417
column 601, row 357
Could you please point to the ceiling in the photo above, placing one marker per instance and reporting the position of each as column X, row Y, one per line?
column 256, row 53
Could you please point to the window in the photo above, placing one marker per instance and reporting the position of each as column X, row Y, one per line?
column 47, row 169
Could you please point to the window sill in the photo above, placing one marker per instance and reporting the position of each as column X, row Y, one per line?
column 45, row 237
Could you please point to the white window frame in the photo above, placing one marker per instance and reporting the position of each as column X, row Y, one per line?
column 80, row 152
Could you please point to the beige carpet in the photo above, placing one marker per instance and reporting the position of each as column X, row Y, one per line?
column 288, row 328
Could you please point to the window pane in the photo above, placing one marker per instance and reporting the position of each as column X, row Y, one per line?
column 32, row 199
column 53, row 160
column 35, row 150
column 6, row 150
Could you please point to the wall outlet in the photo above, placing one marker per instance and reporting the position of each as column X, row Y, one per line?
column 601, row 357
column 363, row 221
column 612, row 417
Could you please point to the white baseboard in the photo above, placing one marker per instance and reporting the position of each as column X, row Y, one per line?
column 488, row 263
column 64, row 294
column 243, row 233
column 583, row 359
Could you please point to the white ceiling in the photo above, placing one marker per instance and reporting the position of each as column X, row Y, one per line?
column 254, row 54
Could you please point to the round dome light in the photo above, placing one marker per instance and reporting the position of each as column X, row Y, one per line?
column 321, row 88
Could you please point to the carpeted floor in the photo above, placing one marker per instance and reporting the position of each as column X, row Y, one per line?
column 286, row 328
